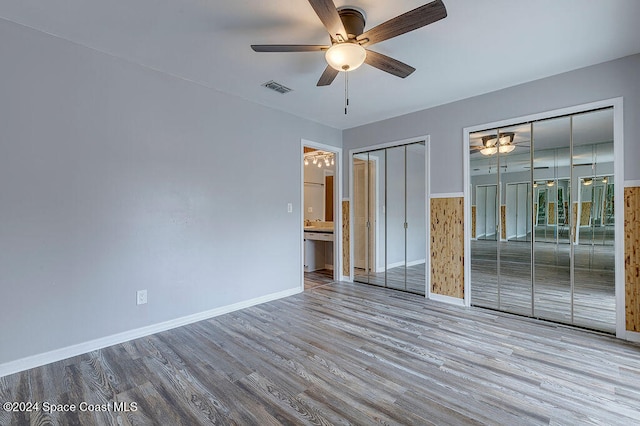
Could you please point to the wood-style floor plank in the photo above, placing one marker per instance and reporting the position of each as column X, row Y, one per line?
column 347, row 354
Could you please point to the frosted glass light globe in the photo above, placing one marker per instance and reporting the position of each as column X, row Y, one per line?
column 345, row 56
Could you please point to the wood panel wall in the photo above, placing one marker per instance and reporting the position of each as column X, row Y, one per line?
column 503, row 222
column 473, row 221
column 574, row 219
column 632, row 257
column 346, row 246
column 551, row 214
column 585, row 213
column 447, row 246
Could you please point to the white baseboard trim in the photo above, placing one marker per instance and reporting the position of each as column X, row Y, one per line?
column 446, row 299
column 632, row 336
column 33, row 361
column 448, row 195
column 631, row 183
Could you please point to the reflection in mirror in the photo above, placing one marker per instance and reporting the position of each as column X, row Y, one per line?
column 484, row 223
column 594, row 252
column 516, row 225
column 377, row 228
column 501, row 219
column 363, row 216
column 416, row 214
column 395, row 264
column 389, row 217
column 542, row 219
column 551, row 248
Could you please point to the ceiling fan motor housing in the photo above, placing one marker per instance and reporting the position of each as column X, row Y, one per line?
column 353, row 21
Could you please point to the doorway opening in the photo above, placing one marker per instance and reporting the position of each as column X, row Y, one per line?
column 321, row 219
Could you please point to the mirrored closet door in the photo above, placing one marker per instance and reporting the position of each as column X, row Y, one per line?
column 389, row 196
column 543, row 246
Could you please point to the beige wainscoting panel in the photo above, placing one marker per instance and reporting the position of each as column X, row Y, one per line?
column 447, row 246
column 632, row 257
column 346, row 248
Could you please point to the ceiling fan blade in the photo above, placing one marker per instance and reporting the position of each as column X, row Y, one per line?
column 390, row 65
column 328, row 14
column 327, row 76
column 412, row 20
column 288, row 47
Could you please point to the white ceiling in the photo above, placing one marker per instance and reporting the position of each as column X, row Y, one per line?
column 480, row 47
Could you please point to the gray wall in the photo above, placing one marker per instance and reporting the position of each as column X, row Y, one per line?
column 115, row 178
column 445, row 123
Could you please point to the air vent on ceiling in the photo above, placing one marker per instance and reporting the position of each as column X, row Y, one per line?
column 277, row 87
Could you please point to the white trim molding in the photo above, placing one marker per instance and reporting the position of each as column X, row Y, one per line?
column 631, row 183
column 446, row 299
column 448, row 195
column 33, row 361
column 632, row 336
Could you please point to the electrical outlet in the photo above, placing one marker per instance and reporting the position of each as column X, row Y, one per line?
column 141, row 297
column 289, row 208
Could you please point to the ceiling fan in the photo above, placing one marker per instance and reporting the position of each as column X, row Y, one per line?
column 349, row 42
column 491, row 144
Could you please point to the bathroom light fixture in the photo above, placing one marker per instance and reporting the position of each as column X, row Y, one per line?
column 550, row 183
column 319, row 158
column 493, row 144
column 587, row 181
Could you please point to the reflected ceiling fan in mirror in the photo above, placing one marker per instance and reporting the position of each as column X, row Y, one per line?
column 349, row 41
column 491, row 144
column 502, row 143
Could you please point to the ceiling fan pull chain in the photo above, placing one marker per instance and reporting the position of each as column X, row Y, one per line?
column 346, row 92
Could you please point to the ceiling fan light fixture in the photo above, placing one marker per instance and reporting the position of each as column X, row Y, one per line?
column 505, row 149
column 494, row 143
column 345, row 56
column 489, row 150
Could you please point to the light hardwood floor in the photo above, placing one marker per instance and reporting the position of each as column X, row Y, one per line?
column 347, row 354
column 317, row 278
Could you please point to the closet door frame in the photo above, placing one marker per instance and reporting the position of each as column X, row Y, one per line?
column 618, row 147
